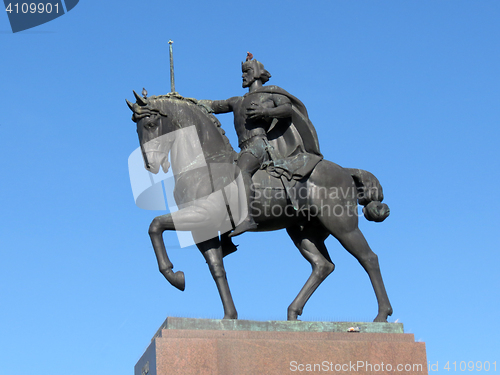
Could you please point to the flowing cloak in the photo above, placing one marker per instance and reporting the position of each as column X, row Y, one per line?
column 294, row 141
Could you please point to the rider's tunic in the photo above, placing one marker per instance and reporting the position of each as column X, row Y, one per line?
column 252, row 134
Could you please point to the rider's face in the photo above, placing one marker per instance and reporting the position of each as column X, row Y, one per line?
column 248, row 77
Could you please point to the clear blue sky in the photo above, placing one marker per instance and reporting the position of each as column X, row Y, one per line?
column 408, row 90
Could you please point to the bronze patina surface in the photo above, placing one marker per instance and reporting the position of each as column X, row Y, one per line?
column 312, row 198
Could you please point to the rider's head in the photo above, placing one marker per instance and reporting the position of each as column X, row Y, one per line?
column 252, row 71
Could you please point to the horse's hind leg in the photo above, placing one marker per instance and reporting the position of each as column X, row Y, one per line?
column 355, row 243
column 310, row 242
column 212, row 251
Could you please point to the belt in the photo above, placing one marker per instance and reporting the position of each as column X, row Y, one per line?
column 253, row 137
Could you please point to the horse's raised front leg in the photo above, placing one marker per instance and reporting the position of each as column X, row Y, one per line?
column 310, row 242
column 356, row 244
column 199, row 216
column 156, row 229
column 212, row 251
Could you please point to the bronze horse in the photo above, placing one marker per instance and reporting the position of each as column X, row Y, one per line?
column 200, row 154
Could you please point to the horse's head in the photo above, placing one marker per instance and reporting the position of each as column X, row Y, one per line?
column 159, row 120
column 155, row 128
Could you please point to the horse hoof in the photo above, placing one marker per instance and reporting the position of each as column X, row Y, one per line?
column 293, row 316
column 380, row 319
column 177, row 279
column 382, row 315
column 180, row 280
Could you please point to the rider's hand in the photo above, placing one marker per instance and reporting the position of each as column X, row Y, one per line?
column 255, row 112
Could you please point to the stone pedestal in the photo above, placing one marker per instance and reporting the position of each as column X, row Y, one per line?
column 239, row 347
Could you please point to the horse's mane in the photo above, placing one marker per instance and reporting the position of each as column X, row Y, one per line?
column 160, row 104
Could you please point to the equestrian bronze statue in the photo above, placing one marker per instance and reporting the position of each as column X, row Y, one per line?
column 279, row 180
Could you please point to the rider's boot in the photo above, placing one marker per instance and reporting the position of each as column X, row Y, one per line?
column 248, row 223
column 228, row 247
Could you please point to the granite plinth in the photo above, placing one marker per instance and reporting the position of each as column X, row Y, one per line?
column 233, row 347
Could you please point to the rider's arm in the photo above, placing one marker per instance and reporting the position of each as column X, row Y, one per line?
column 219, row 106
column 283, row 107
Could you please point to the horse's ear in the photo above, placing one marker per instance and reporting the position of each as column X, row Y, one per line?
column 130, row 105
column 140, row 99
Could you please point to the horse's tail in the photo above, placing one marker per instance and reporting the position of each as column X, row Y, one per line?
column 370, row 195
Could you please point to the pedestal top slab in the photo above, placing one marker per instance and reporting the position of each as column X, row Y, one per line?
column 278, row 326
